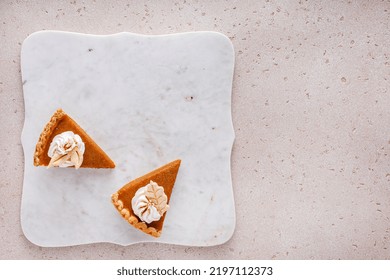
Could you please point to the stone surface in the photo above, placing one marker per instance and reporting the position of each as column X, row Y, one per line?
column 310, row 161
column 146, row 100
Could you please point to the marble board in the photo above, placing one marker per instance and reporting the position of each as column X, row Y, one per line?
column 146, row 100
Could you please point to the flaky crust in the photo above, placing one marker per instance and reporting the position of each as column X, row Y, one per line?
column 46, row 133
column 126, row 214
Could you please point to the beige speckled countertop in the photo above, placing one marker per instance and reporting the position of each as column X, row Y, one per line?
column 311, row 111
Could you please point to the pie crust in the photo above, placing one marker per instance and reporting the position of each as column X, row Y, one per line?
column 165, row 177
column 94, row 156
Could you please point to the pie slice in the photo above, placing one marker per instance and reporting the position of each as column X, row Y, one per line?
column 160, row 183
column 72, row 146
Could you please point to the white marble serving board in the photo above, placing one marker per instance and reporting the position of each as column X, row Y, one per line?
column 146, row 100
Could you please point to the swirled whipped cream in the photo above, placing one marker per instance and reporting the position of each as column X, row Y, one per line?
column 150, row 202
column 66, row 149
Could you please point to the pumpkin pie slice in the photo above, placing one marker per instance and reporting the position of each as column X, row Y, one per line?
column 143, row 202
column 63, row 143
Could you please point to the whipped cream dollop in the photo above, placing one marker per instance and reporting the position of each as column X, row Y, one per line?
column 66, row 149
column 150, row 202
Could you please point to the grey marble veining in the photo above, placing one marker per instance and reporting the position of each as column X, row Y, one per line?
column 146, row 100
